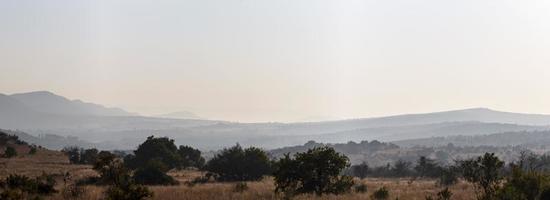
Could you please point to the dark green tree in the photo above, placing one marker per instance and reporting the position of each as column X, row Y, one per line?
column 153, row 173
column 160, row 148
column 73, row 153
column 360, row 170
column 485, row 173
column 426, row 167
column 315, row 171
column 190, row 157
column 238, row 164
column 89, row 156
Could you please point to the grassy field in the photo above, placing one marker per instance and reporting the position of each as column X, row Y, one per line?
column 53, row 162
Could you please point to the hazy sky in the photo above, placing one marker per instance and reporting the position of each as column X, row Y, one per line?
column 281, row 60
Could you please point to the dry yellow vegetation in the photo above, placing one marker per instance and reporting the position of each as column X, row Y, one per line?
column 53, row 162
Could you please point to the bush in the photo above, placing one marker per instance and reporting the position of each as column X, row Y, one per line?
column 154, row 173
column 127, row 191
column 10, row 152
column 484, row 173
column 33, row 150
column 240, row 187
column 190, row 157
column 381, row 194
column 315, row 171
column 23, row 187
column 360, row 170
column 361, row 188
column 449, row 176
column 236, row 164
column 161, row 148
column 73, row 153
column 73, row 192
column 122, row 186
column 524, row 185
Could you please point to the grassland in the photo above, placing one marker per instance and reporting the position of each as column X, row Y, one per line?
column 53, row 162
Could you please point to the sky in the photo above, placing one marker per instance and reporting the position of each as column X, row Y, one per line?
column 281, row 60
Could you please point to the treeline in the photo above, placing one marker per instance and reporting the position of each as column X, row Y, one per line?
column 319, row 170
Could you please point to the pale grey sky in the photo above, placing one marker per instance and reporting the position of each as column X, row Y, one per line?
column 281, row 60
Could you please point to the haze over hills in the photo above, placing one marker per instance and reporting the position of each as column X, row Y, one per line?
column 41, row 113
column 180, row 115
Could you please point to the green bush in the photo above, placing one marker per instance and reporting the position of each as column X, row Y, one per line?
column 381, row 194
column 315, row 171
column 154, row 173
column 485, row 173
column 238, row 164
column 448, row 176
column 22, row 187
column 127, row 191
column 10, row 152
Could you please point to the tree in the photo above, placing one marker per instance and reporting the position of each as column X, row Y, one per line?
column 360, row 170
column 315, row 171
column 528, row 185
column 484, row 173
column 401, row 169
column 426, row 167
column 10, row 152
column 73, row 153
column 160, row 148
column 236, row 164
column 154, row 173
column 89, row 156
column 121, row 185
column 190, row 157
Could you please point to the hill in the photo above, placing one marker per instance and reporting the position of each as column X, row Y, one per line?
column 44, row 113
column 526, row 139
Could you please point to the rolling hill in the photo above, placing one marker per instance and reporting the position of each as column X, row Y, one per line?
column 41, row 113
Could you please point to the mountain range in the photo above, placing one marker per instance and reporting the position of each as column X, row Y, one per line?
column 44, row 113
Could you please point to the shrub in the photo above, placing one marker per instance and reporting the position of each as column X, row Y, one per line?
column 448, row 176
column 73, row 153
column 160, row 148
column 361, row 188
column 381, row 194
column 240, row 187
column 33, row 150
column 360, row 170
column 10, row 152
column 190, row 157
column 236, row 164
column 484, row 173
column 73, row 192
column 127, row 191
column 154, row 173
column 23, row 187
column 315, row 171
column 524, row 185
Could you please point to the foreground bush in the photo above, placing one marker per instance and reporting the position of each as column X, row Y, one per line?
column 154, row 173
column 23, row 187
column 315, row 171
column 381, row 194
column 485, row 173
column 10, row 152
column 121, row 185
column 238, row 164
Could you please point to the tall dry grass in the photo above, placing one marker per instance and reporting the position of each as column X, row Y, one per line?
column 53, row 162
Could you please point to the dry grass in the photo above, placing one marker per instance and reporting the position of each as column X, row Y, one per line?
column 53, row 162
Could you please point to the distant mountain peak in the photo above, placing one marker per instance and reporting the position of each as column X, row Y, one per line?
column 48, row 102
